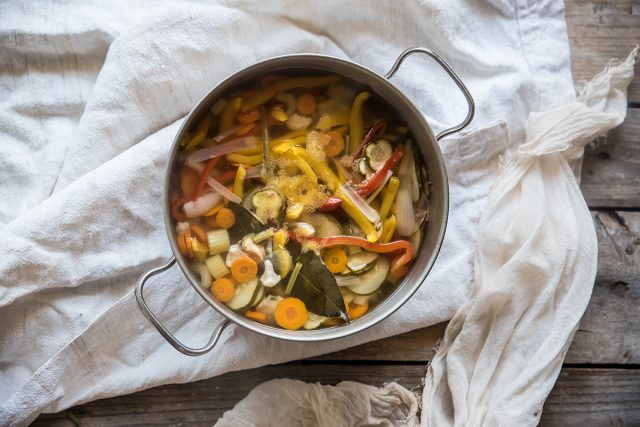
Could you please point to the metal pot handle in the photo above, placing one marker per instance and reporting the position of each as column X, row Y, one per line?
column 142, row 304
column 453, row 76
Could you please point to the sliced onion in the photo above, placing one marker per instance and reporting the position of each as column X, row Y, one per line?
column 215, row 184
column 357, row 200
column 377, row 191
column 201, row 205
column 244, row 143
column 224, row 135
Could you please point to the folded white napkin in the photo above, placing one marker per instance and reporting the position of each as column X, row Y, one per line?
column 90, row 99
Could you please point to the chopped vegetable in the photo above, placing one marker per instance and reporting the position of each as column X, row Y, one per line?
column 289, row 101
column 199, row 249
column 205, row 276
column 370, row 184
column 405, row 215
column 225, row 218
column 282, row 262
column 245, row 296
column 306, row 104
column 217, row 186
column 257, row 316
column 223, row 289
column 232, row 146
column 292, row 279
column 357, row 310
column 361, row 262
column 298, row 122
column 380, row 127
column 314, row 321
column 336, row 260
column 291, row 313
column 228, row 113
column 331, row 120
column 234, row 253
column 335, row 144
column 267, row 203
column 188, row 182
column 218, row 241
column 199, row 233
column 284, row 85
column 388, row 228
column 216, row 266
column 378, row 153
column 369, row 282
column 269, row 278
column 244, row 269
column 356, row 126
column 248, row 117
column 201, row 205
column 389, row 196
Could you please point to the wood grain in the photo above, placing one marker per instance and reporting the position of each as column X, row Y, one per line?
column 599, row 31
column 611, row 169
column 586, row 397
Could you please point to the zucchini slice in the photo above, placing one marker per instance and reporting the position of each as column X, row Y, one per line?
column 371, row 281
column 377, row 153
column 245, row 295
column 361, row 262
column 325, row 225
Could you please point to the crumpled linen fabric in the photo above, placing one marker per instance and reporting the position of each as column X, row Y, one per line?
column 91, row 96
column 295, row 403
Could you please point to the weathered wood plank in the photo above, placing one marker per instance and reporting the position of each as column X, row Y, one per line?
column 610, row 329
column 611, row 169
column 601, row 30
column 588, row 397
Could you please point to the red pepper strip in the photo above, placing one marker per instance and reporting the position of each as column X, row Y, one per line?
column 175, row 205
column 379, row 127
column 369, row 185
column 399, row 263
column 330, row 205
column 225, row 177
column 204, row 175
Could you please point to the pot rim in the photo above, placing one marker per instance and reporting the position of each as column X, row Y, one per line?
column 392, row 302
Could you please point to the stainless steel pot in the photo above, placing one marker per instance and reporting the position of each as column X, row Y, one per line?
column 424, row 137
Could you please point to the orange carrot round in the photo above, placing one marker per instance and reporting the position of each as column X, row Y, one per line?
column 306, row 104
column 257, row 316
column 223, row 289
column 225, row 218
column 182, row 244
column 335, row 144
column 357, row 310
column 244, row 269
column 291, row 313
column 199, row 233
column 336, row 260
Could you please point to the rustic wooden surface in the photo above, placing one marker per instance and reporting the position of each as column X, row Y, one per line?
column 600, row 382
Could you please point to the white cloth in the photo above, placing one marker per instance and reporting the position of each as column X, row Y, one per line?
column 294, row 403
column 91, row 96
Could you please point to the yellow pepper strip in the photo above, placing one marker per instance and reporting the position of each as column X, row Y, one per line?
column 289, row 143
column 200, row 133
column 320, row 168
column 350, row 209
column 356, row 125
column 228, row 114
column 301, row 164
column 389, row 195
column 253, row 160
column 342, row 173
column 388, row 228
column 341, row 130
column 238, row 183
column 283, row 85
column 330, row 120
column 214, row 210
column 251, row 151
column 290, row 135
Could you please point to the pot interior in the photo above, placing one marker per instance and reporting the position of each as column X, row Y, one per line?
column 422, row 136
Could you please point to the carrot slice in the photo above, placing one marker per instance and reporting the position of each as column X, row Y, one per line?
column 335, row 144
column 246, row 130
column 225, row 218
column 357, row 310
column 244, row 269
column 291, row 313
column 188, row 181
column 306, row 104
column 187, row 239
column 199, row 233
column 223, row 289
column 336, row 260
column 182, row 244
column 214, row 210
column 257, row 316
column 248, row 117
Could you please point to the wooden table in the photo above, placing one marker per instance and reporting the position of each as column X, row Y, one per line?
column 600, row 381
